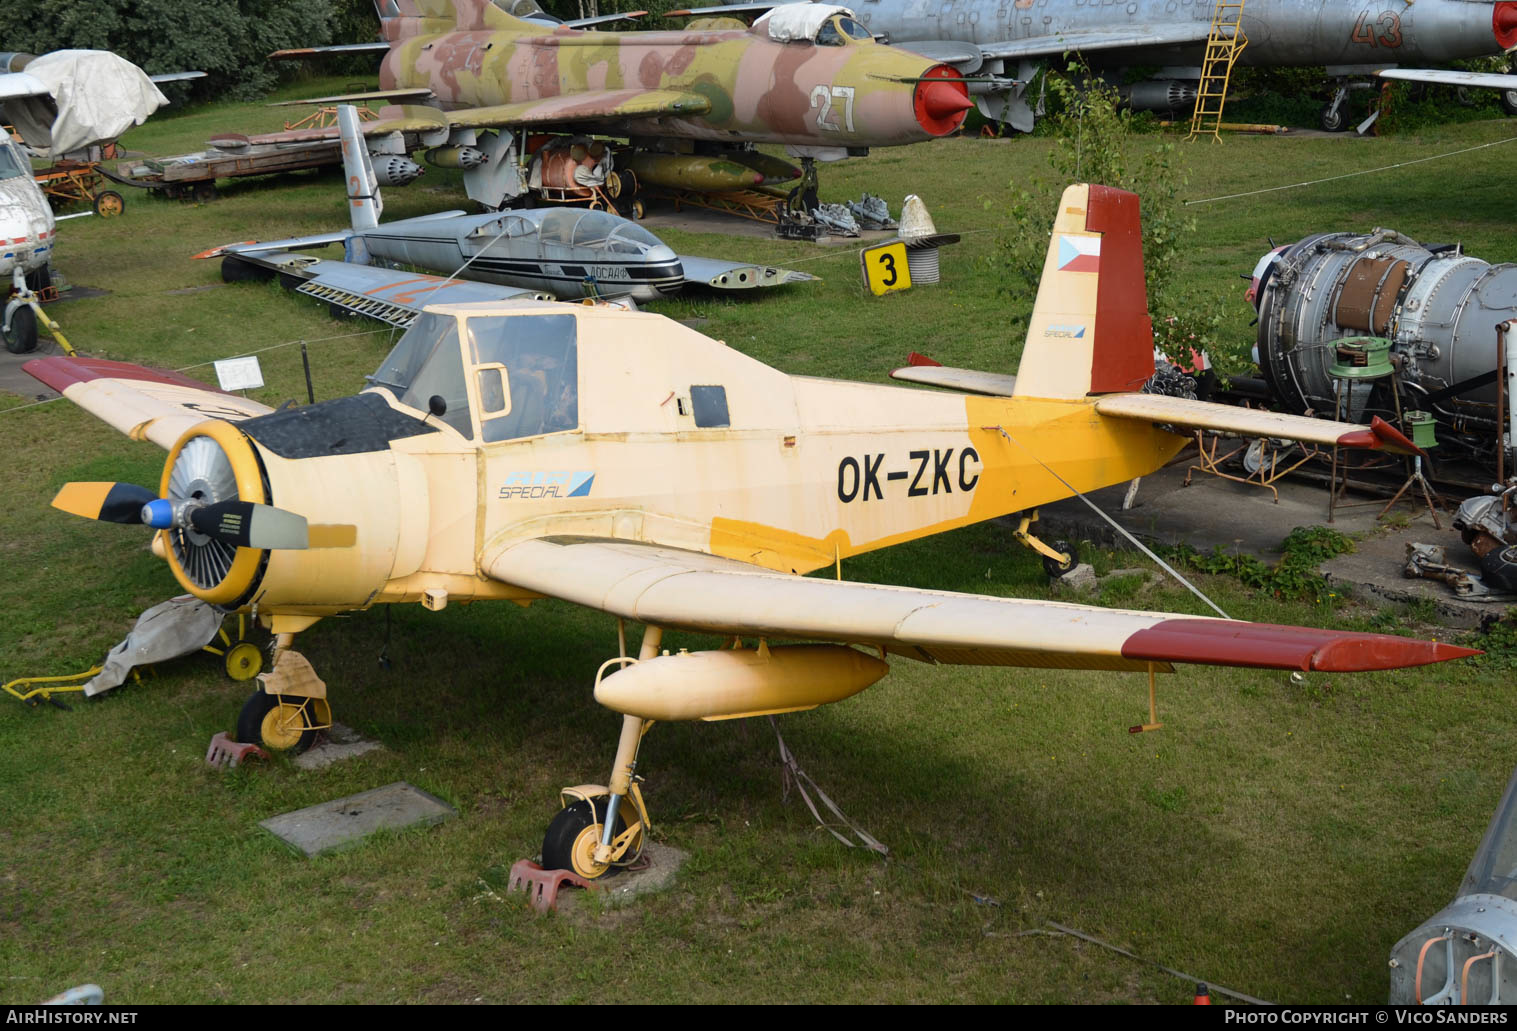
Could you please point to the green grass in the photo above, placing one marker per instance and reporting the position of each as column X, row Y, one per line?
column 1274, row 837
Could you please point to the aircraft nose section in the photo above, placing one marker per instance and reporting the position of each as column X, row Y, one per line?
column 942, row 98
column 1504, row 24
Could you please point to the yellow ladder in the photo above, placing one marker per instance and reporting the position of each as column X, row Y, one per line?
column 1223, row 45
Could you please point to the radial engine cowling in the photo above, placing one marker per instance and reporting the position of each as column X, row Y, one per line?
column 362, row 530
column 1436, row 305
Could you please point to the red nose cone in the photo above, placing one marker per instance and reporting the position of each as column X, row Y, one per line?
column 942, row 99
column 1504, row 24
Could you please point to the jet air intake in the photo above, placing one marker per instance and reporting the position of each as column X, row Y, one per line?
column 941, row 100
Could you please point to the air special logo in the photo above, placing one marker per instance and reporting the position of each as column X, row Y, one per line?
column 547, row 485
column 1065, row 332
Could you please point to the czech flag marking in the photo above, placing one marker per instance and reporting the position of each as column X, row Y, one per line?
column 1079, row 254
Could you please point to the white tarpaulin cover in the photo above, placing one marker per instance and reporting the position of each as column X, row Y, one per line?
column 177, row 627
column 798, row 21
column 98, row 96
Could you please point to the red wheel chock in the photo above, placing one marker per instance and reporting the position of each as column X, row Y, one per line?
column 226, row 752
column 542, row 885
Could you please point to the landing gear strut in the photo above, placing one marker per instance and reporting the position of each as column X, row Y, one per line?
column 1059, row 558
column 591, row 835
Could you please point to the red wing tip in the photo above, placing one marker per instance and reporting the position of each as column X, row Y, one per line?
column 921, row 359
column 1380, row 435
column 60, row 373
column 1269, row 646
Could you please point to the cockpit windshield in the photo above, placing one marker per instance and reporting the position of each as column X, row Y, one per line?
column 426, row 363
column 12, row 164
column 835, row 31
column 1494, row 869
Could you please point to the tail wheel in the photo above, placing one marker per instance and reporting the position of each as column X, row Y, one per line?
column 572, row 837
column 638, row 209
column 244, row 661
column 274, row 722
column 1056, row 569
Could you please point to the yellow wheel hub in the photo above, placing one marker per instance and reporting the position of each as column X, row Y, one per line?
column 283, row 725
column 244, row 661
column 582, row 854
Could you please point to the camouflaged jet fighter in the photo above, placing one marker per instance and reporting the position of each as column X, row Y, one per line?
column 1002, row 39
column 516, row 451
column 810, row 78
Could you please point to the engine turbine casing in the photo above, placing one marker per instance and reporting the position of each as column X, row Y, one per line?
column 1438, row 307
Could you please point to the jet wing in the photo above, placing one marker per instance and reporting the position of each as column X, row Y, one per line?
column 737, row 275
column 580, row 107
column 684, row 590
column 16, row 85
column 337, row 48
column 1251, row 422
column 145, row 404
column 1451, row 77
column 1114, row 39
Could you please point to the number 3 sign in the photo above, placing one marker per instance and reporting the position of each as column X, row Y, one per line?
column 885, row 268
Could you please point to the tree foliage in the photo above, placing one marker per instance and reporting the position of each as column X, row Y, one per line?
column 228, row 39
column 1098, row 140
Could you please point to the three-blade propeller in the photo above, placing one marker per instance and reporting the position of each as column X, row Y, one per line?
column 241, row 524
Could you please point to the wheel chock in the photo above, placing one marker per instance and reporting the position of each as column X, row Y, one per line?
column 542, row 885
column 226, row 752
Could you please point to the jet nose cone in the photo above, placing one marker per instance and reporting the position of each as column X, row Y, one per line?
column 941, row 100
column 1504, row 24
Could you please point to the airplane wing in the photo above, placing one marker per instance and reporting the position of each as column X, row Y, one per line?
column 685, row 590
column 1451, row 77
column 16, row 85
column 737, row 275
column 145, row 404
column 1115, row 39
column 389, row 295
column 337, row 48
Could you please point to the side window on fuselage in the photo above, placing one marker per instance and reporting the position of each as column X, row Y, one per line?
column 526, row 370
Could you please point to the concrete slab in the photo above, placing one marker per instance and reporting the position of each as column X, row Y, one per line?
column 334, row 745
column 344, row 822
column 664, row 863
column 1213, row 512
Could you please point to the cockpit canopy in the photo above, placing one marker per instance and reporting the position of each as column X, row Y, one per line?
column 1494, row 869
column 826, row 25
column 574, row 227
column 518, row 373
column 12, row 162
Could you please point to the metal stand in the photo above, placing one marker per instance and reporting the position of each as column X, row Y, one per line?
column 1274, row 461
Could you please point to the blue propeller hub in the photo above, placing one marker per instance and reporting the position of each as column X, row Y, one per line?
column 158, row 513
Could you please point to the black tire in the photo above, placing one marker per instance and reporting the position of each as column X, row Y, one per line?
column 1499, row 569
column 564, row 832
column 21, row 338
column 238, row 270
column 1508, row 99
column 108, row 204
column 1331, row 120
column 1057, row 570
column 251, row 726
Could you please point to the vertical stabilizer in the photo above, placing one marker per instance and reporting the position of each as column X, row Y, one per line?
column 1090, row 332
column 364, row 203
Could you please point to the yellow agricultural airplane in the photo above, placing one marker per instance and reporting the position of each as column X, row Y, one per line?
column 521, row 450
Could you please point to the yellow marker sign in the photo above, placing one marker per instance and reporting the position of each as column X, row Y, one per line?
column 885, row 268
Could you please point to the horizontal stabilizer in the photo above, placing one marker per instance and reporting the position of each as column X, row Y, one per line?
column 177, row 76
column 293, row 243
column 1251, row 422
column 968, row 381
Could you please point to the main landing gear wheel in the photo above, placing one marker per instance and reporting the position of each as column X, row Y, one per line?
column 1509, row 101
column 1056, row 569
column 572, row 837
column 274, row 722
column 1331, row 118
column 21, row 337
